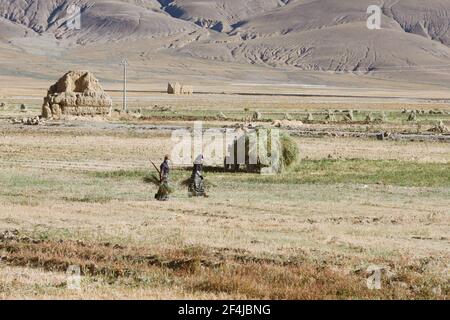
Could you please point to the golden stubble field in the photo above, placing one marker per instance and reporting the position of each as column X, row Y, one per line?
column 73, row 194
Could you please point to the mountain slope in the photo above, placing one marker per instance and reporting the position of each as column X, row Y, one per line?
column 317, row 35
column 100, row 20
column 218, row 15
column 332, row 35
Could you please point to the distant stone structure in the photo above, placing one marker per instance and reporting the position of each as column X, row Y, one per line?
column 174, row 88
column 187, row 89
column 77, row 93
column 177, row 88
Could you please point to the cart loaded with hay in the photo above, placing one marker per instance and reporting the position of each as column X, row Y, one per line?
column 256, row 150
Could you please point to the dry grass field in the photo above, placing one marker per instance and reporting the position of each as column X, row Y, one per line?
column 73, row 193
column 368, row 109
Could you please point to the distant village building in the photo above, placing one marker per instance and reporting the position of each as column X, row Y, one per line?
column 177, row 88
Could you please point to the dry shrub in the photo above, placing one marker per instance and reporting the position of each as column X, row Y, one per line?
column 203, row 270
column 265, row 281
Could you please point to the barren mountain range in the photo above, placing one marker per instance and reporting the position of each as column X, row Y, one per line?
column 219, row 38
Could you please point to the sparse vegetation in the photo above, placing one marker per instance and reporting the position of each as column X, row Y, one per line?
column 391, row 172
column 383, row 172
column 79, row 196
column 364, row 182
column 197, row 270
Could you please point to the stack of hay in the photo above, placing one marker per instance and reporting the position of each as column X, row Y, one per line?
column 177, row 88
column 440, row 128
column 287, row 124
column 286, row 150
column 34, row 121
column 330, row 116
column 257, row 116
column 412, row 116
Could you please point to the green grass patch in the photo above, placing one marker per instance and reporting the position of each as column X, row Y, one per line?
column 29, row 188
column 176, row 174
column 387, row 172
column 119, row 174
column 19, row 181
column 356, row 171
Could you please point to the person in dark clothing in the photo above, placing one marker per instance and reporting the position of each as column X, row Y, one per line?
column 196, row 186
column 164, row 187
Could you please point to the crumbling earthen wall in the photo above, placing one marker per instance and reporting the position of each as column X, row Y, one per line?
column 76, row 93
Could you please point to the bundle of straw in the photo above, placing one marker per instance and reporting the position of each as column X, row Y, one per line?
column 206, row 183
column 154, row 179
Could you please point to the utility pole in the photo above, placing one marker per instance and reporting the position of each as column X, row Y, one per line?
column 125, row 64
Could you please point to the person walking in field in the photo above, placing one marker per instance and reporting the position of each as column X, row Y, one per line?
column 164, row 187
column 196, row 186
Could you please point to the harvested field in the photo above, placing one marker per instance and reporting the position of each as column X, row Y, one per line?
column 358, row 207
column 76, row 196
column 196, row 272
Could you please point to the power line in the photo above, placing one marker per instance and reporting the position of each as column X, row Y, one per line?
column 125, row 64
